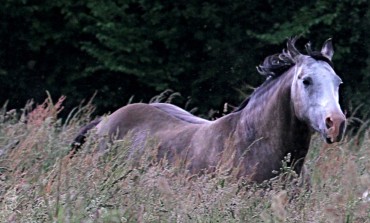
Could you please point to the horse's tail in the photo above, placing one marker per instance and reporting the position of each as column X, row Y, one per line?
column 79, row 140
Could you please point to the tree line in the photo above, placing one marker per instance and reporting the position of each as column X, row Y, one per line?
column 205, row 50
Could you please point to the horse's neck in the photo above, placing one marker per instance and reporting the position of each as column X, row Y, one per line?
column 268, row 126
column 269, row 110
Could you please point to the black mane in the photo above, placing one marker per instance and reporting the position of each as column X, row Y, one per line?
column 318, row 56
column 277, row 64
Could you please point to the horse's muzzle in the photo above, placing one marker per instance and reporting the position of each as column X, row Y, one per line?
column 335, row 126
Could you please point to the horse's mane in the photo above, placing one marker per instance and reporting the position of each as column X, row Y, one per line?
column 277, row 64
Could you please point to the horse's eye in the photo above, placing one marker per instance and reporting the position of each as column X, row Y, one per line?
column 307, row 81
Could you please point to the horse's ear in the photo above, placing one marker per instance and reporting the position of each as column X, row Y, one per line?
column 327, row 49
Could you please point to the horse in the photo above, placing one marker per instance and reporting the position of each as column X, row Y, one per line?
column 299, row 97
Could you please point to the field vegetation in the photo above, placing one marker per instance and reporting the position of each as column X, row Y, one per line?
column 40, row 181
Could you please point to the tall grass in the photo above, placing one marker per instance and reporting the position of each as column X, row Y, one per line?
column 40, row 182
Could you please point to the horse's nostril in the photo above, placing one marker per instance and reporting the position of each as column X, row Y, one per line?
column 329, row 122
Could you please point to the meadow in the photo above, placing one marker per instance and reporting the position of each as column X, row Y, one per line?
column 40, row 181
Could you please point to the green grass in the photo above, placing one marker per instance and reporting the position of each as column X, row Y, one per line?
column 39, row 182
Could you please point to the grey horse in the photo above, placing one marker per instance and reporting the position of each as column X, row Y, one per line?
column 299, row 96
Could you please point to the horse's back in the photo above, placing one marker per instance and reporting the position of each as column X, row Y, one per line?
column 151, row 118
column 179, row 113
column 141, row 122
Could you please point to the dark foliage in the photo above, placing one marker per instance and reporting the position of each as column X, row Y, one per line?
column 206, row 51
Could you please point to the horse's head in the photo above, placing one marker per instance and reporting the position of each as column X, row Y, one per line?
column 314, row 91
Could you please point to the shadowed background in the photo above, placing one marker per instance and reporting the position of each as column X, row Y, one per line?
column 206, row 51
